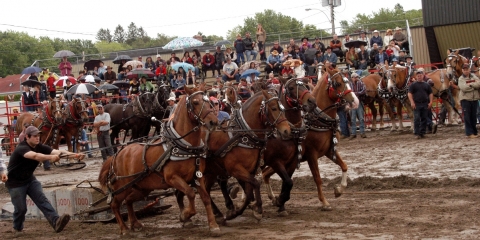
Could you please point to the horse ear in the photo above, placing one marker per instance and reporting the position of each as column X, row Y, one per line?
column 265, row 94
column 456, row 52
column 394, row 64
column 283, row 80
column 188, row 90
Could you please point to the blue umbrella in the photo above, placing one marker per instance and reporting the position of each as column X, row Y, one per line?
column 30, row 70
column 250, row 71
column 185, row 66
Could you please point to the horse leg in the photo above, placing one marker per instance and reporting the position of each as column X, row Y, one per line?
column 339, row 190
column 179, row 183
column 267, row 173
column 115, row 205
column 251, row 183
column 392, row 117
column 223, row 183
column 381, row 110
column 287, row 184
column 212, row 224
column 399, row 114
column 313, row 164
column 135, row 195
column 373, row 109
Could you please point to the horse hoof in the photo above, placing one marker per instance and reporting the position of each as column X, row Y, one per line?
column 188, row 224
column 215, row 232
column 283, row 213
column 231, row 214
column 338, row 191
column 221, row 220
column 257, row 215
column 326, row 208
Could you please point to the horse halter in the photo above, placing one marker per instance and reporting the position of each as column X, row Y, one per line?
column 236, row 103
column 73, row 104
column 57, row 109
column 333, row 85
column 294, row 102
column 191, row 111
column 264, row 112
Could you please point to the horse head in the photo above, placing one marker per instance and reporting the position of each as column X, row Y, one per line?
column 295, row 93
column 146, row 99
column 200, row 110
column 337, row 87
column 80, row 108
column 231, row 97
column 259, row 85
column 272, row 113
column 161, row 96
column 454, row 62
column 55, row 112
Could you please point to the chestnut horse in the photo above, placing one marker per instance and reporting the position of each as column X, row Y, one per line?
column 76, row 115
column 454, row 63
column 173, row 160
column 237, row 150
column 48, row 121
column 331, row 92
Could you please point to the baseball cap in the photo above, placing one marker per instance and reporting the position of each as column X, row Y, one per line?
column 32, row 130
column 420, row 70
column 99, row 106
column 354, row 75
column 158, row 56
column 171, row 99
column 465, row 65
column 207, row 51
column 213, row 99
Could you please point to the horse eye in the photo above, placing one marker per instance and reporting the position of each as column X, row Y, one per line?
column 274, row 109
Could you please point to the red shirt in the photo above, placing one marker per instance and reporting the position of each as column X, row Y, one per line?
column 287, row 70
column 161, row 70
column 51, row 84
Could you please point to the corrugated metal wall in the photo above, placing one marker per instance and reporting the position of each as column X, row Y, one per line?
column 420, row 47
column 444, row 12
column 458, row 36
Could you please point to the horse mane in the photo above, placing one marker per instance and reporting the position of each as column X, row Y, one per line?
column 180, row 105
column 252, row 99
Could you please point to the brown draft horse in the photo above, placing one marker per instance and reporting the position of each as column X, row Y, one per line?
column 454, row 63
column 76, row 115
column 236, row 151
column 174, row 159
column 371, row 96
column 48, row 121
column 331, row 91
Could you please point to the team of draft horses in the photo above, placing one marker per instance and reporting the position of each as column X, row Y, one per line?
column 273, row 132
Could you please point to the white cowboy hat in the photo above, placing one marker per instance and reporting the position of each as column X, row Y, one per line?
column 397, row 28
column 171, row 99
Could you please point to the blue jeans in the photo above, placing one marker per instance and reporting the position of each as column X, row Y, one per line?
column 470, row 116
column 249, row 53
column 354, row 113
column 19, row 201
column 478, row 112
column 240, row 58
column 342, row 115
column 83, row 138
column 237, row 78
column 105, row 142
column 420, row 118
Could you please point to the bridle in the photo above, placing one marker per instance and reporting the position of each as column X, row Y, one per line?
column 194, row 116
column 292, row 102
column 55, row 111
column 333, row 85
column 73, row 108
column 264, row 116
column 236, row 104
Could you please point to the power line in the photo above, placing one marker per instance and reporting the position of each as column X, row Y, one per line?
column 47, row 30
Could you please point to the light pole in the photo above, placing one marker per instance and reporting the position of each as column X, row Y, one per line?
column 332, row 21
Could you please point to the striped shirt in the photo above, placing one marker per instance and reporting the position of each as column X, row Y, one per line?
column 358, row 87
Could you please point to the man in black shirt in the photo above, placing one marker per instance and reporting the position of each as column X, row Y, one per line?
column 421, row 99
column 21, row 181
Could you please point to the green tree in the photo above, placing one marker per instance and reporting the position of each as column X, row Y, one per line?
column 104, row 35
column 276, row 25
column 106, row 47
column 382, row 19
column 119, row 35
column 210, row 39
column 132, row 33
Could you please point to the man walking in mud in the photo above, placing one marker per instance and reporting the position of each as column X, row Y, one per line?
column 21, row 182
column 421, row 99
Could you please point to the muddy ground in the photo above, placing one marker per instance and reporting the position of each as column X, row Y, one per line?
column 398, row 188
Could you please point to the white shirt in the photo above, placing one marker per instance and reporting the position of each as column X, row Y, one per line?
column 229, row 68
column 103, row 117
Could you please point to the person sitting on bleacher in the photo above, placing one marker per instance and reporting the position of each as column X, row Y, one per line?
column 331, row 57
column 243, row 89
column 318, row 45
column 178, row 85
column 336, row 48
column 298, row 54
column 400, row 39
column 287, row 70
column 319, row 58
column 305, row 45
column 208, row 63
column 373, row 53
column 364, row 38
column 401, row 57
column 362, row 58
column 352, row 58
column 145, row 86
column 376, row 39
column 381, row 58
column 273, row 63
column 230, row 71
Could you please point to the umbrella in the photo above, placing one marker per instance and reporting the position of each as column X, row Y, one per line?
column 185, row 66
column 121, row 84
column 30, row 70
column 133, row 63
column 246, row 66
column 63, row 53
column 31, row 83
column 82, row 88
column 107, row 86
column 119, row 59
column 355, row 44
column 62, row 81
column 183, row 42
column 248, row 72
column 89, row 78
column 90, row 65
column 310, row 55
column 222, row 42
column 140, row 72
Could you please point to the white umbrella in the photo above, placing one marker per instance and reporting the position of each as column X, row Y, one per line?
column 63, row 53
column 89, row 78
column 183, row 42
column 82, row 88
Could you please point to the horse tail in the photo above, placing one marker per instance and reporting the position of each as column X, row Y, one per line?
column 105, row 171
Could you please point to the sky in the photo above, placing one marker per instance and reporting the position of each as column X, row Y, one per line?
column 65, row 19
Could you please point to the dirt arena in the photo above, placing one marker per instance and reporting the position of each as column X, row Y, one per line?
column 398, row 188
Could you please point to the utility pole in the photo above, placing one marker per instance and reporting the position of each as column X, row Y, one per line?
column 332, row 16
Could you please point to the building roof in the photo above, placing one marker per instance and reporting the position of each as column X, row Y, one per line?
column 11, row 83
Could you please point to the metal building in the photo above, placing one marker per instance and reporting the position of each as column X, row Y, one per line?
column 451, row 24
